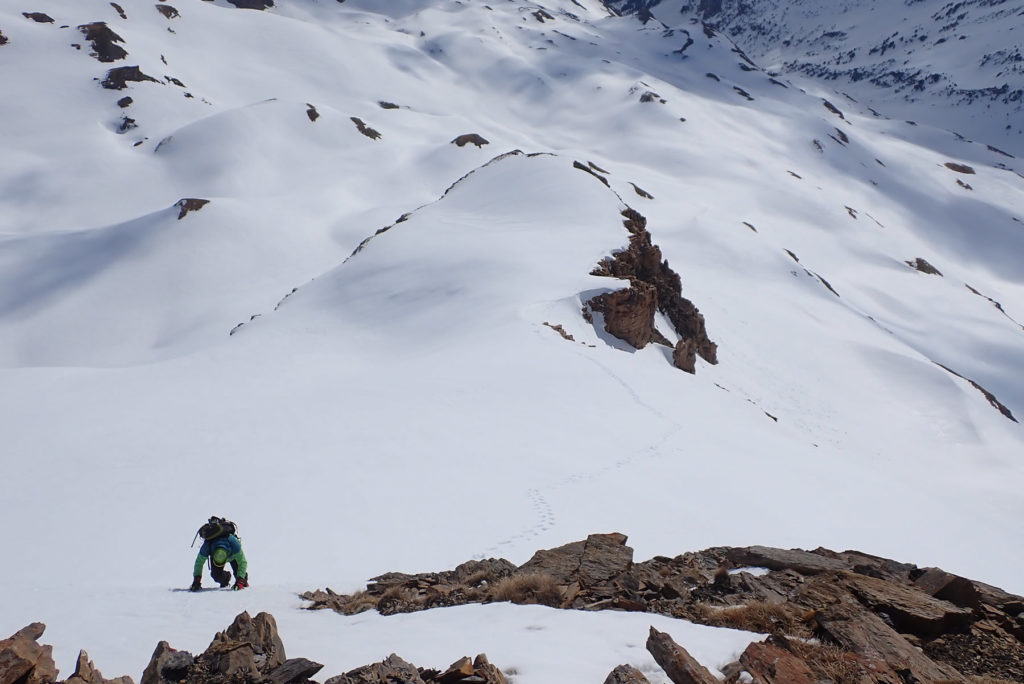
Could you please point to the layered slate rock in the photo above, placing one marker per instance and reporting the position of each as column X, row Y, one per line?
column 870, row 618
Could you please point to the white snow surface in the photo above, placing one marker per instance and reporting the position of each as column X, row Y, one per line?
column 406, row 405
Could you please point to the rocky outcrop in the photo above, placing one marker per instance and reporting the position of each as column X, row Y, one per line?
column 653, row 286
column 923, row 266
column 371, row 133
column 23, row 660
column 189, row 204
column 870, row 619
column 394, row 669
column 119, row 77
column 249, row 651
column 104, row 41
column 470, row 139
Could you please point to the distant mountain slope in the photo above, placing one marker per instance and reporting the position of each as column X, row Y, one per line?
column 958, row 65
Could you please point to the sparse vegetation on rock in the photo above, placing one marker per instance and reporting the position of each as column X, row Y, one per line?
column 844, row 617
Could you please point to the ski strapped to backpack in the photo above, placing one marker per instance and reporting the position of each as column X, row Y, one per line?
column 215, row 528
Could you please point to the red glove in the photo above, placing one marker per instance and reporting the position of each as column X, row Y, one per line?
column 240, row 583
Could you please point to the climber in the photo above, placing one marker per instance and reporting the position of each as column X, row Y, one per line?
column 222, row 547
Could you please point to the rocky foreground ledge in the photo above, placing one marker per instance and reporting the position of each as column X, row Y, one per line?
column 830, row 617
column 835, row 617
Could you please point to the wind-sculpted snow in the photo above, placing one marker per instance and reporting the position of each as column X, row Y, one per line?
column 374, row 347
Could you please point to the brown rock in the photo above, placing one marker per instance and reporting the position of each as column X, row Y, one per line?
column 629, row 313
column 867, row 635
column 770, row 664
column 370, row 133
column 167, row 665
column 392, row 670
column 119, row 77
column 684, row 355
column 261, row 634
column 626, row 674
column 679, row 665
column 38, row 17
column 484, row 669
column 642, row 262
column 595, row 561
column 187, row 204
column 910, row 610
column 228, row 658
column 923, row 266
column 293, row 671
column 104, row 41
column 458, row 671
column 21, row 656
column 470, row 139
column 804, row 562
column 45, row 670
column 168, row 11
column 959, row 168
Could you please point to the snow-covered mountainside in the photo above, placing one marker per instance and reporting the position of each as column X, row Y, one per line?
column 247, row 269
column 956, row 64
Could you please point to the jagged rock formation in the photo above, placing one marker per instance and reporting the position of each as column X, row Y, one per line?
column 654, row 286
column 23, row 660
column 249, row 651
column 874, row 619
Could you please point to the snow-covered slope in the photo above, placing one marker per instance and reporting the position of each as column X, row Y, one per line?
column 956, row 65
column 404, row 402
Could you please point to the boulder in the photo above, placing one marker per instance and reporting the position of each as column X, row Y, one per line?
column 261, row 634
column 470, row 139
column 23, row 659
column 594, row 562
column 293, row 671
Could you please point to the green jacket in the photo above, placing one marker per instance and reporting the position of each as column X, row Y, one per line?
column 235, row 555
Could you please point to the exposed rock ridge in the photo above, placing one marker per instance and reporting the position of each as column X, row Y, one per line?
column 249, row 651
column 654, row 286
column 875, row 619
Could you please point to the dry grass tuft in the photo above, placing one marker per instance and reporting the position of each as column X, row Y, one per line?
column 756, row 616
column 402, row 593
column 359, row 603
column 828, row 661
column 526, row 588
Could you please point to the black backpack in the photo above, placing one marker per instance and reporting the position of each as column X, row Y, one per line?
column 216, row 528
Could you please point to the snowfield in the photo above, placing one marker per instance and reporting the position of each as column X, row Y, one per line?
column 398, row 400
